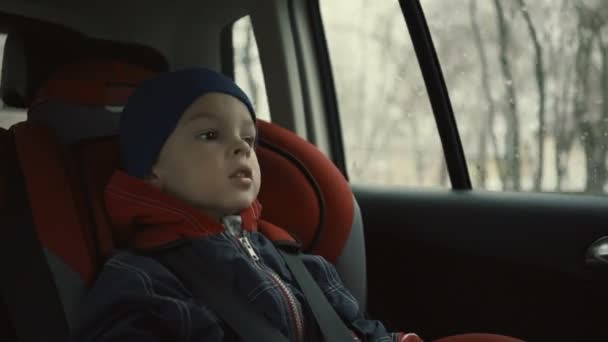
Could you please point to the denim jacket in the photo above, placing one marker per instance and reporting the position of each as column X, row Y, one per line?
column 136, row 298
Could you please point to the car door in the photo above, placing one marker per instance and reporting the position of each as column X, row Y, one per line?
column 478, row 161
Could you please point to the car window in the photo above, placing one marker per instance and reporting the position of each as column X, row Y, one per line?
column 389, row 133
column 247, row 66
column 528, row 80
column 8, row 115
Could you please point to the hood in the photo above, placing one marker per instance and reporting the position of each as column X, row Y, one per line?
column 144, row 217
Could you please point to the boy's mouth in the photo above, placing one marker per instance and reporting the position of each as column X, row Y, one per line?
column 242, row 172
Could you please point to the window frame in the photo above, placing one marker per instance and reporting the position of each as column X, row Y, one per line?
column 227, row 50
column 437, row 91
column 328, row 89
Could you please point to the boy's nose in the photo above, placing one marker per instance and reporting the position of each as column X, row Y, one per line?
column 241, row 147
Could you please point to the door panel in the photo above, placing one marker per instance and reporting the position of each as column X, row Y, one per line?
column 442, row 262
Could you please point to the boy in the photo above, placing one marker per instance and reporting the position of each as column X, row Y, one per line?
column 190, row 172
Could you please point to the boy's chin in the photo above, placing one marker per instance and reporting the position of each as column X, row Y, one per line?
column 237, row 207
column 234, row 207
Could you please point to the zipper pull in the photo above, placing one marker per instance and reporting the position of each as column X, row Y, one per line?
column 245, row 242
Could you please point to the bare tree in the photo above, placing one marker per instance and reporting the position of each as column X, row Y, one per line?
column 562, row 75
column 602, row 132
column 374, row 132
column 487, row 128
column 548, row 72
column 591, row 22
column 540, row 83
column 512, row 137
column 563, row 132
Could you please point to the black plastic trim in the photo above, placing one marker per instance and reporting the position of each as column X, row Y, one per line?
column 438, row 93
column 227, row 50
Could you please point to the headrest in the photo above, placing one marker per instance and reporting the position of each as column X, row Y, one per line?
column 84, row 99
column 100, row 82
column 31, row 57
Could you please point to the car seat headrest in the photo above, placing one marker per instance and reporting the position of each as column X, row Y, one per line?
column 85, row 99
column 98, row 83
column 31, row 57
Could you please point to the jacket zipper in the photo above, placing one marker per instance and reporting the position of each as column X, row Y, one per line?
column 295, row 315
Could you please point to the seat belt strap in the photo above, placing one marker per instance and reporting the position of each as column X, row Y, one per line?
column 231, row 307
column 332, row 327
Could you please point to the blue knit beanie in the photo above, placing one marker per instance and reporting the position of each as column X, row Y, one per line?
column 156, row 106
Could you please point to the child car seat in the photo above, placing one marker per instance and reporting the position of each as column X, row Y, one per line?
column 65, row 171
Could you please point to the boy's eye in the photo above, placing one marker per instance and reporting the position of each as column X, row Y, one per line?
column 249, row 140
column 209, row 135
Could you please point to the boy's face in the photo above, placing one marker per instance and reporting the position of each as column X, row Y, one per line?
column 208, row 161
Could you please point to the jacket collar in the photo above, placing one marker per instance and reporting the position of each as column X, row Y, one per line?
column 144, row 217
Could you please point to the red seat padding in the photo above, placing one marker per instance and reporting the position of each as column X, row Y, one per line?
column 67, row 222
column 303, row 191
column 57, row 217
column 97, row 159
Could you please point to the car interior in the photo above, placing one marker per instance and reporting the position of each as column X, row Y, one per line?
column 438, row 262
